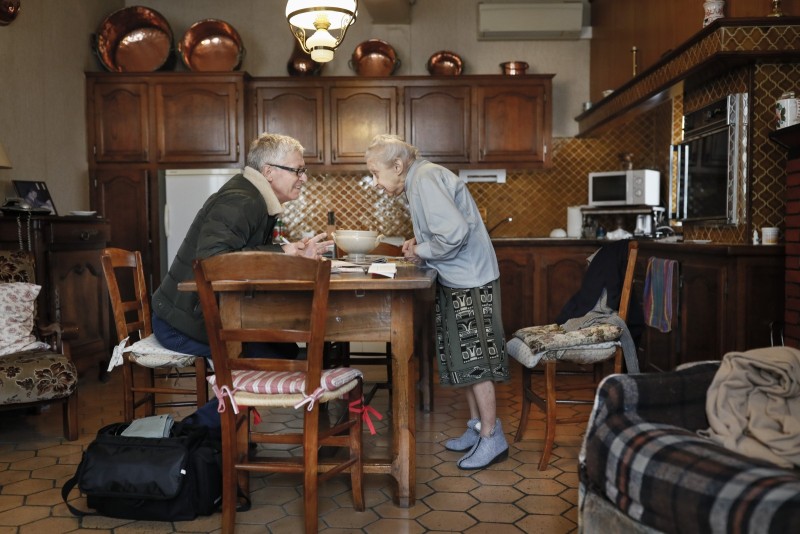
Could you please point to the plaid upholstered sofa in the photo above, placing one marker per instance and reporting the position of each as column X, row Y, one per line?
column 35, row 364
column 643, row 467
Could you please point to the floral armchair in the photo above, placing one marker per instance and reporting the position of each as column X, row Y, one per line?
column 35, row 363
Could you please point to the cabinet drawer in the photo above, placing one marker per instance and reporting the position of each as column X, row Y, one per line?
column 79, row 234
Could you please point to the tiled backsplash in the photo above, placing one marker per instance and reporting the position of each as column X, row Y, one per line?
column 538, row 199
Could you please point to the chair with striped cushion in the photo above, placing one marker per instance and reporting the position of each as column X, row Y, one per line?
column 262, row 297
column 130, row 303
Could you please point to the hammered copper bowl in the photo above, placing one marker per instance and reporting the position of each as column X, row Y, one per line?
column 445, row 63
column 211, row 45
column 374, row 58
column 134, row 39
column 514, row 68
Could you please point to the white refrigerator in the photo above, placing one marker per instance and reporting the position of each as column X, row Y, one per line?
column 183, row 192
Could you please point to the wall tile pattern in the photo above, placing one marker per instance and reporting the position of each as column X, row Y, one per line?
column 535, row 199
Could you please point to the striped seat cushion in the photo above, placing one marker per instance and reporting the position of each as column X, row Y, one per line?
column 287, row 383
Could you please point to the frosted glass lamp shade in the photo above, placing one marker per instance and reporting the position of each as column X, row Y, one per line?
column 320, row 25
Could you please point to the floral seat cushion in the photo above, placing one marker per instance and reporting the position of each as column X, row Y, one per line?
column 36, row 376
column 591, row 344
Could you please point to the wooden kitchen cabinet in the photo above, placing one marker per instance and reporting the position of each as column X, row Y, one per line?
column 200, row 121
column 119, row 130
column 165, row 118
column 438, row 121
column 517, row 282
column 122, row 194
column 294, row 111
column 357, row 115
column 67, row 255
column 512, row 123
column 724, row 298
column 463, row 121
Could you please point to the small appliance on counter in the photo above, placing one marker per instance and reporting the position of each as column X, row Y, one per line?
column 624, row 188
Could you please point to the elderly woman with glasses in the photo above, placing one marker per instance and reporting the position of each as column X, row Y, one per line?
column 240, row 216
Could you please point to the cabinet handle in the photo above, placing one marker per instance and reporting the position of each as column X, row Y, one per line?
column 634, row 50
column 86, row 235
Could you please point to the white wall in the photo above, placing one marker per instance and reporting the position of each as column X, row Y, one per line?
column 44, row 53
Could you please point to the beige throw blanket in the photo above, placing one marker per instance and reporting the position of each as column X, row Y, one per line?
column 753, row 404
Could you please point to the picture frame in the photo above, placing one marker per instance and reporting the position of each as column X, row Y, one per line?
column 35, row 194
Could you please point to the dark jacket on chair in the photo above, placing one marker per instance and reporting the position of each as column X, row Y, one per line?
column 606, row 270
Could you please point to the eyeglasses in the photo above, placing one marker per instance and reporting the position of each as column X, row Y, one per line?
column 298, row 171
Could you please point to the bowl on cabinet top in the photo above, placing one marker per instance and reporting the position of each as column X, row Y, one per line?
column 134, row 39
column 211, row 45
column 357, row 241
column 514, row 68
column 374, row 58
column 445, row 63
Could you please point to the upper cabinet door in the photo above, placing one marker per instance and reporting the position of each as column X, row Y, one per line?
column 438, row 122
column 357, row 115
column 514, row 123
column 200, row 122
column 118, row 121
column 294, row 111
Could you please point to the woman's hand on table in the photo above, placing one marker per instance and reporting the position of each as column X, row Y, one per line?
column 309, row 247
column 410, row 249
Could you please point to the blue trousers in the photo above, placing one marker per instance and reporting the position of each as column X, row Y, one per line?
column 176, row 340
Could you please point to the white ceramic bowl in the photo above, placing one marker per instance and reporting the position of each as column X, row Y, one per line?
column 357, row 241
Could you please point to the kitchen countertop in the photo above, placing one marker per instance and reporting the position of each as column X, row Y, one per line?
column 695, row 247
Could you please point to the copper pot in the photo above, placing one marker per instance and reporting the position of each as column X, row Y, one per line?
column 134, row 39
column 301, row 64
column 211, row 45
column 514, row 68
column 445, row 63
column 9, row 9
column 374, row 58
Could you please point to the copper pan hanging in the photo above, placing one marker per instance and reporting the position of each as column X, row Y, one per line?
column 134, row 39
column 211, row 45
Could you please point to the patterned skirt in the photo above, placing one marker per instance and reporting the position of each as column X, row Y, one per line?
column 469, row 335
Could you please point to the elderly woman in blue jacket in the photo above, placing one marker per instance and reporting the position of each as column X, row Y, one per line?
column 450, row 237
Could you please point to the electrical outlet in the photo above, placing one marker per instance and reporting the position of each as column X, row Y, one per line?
column 484, row 214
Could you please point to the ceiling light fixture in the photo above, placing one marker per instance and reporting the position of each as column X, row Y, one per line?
column 320, row 18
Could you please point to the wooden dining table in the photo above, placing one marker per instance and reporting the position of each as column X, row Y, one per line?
column 363, row 307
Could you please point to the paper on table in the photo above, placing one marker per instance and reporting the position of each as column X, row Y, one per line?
column 339, row 266
column 384, row 269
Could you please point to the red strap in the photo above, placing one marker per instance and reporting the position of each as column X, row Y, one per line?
column 358, row 406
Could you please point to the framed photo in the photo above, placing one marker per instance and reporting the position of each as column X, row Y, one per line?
column 35, row 194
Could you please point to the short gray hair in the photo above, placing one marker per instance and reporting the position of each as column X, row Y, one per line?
column 387, row 147
column 271, row 148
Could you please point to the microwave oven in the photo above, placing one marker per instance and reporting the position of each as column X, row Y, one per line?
column 624, row 188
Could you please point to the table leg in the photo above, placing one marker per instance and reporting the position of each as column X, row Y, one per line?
column 404, row 444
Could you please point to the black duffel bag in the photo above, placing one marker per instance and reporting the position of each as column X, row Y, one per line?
column 155, row 479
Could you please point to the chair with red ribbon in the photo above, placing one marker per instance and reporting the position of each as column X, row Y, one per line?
column 262, row 297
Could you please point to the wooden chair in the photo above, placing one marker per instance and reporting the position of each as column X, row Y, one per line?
column 290, row 294
column 36, row 368
column 124, row 273
column 547, row 345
